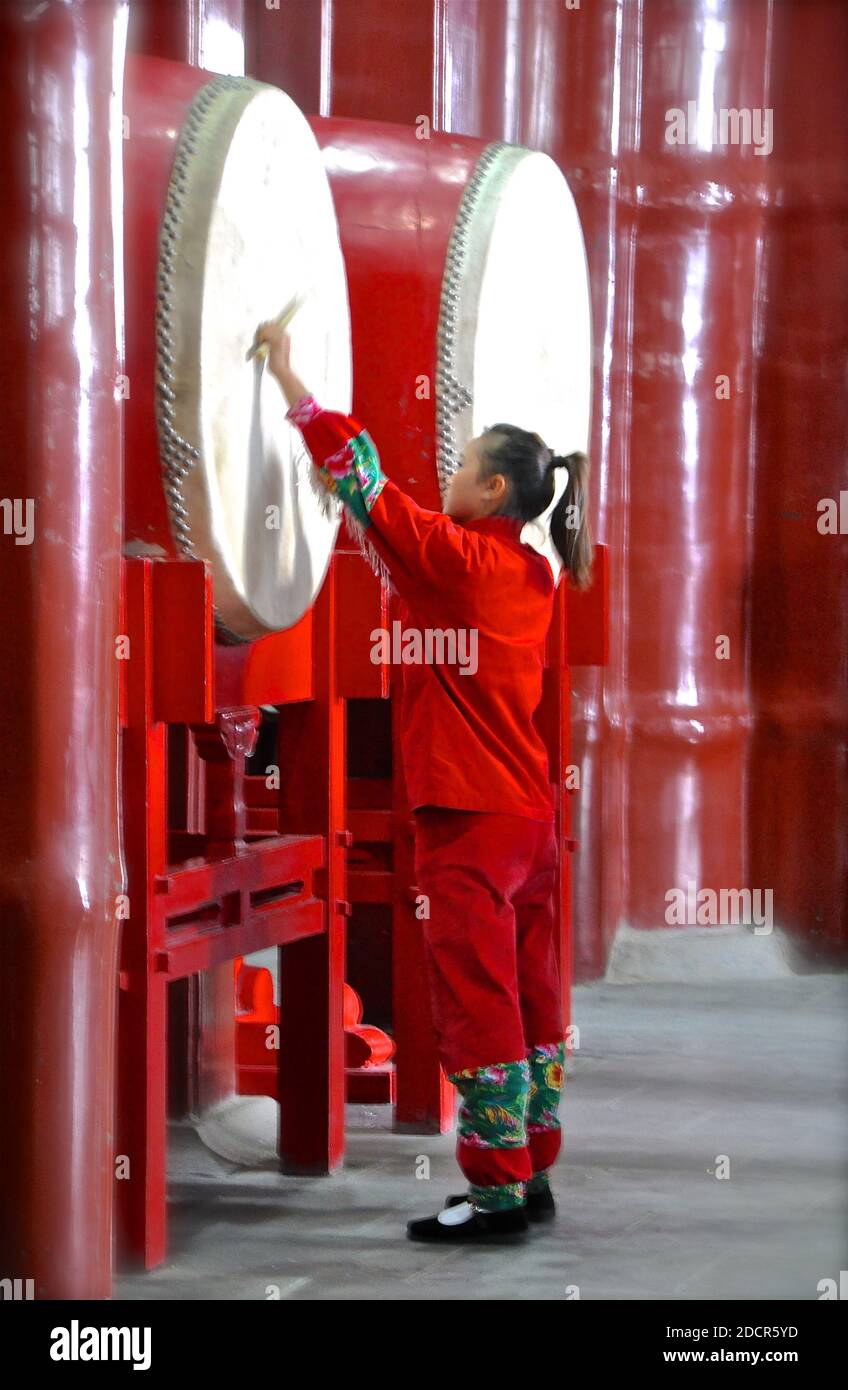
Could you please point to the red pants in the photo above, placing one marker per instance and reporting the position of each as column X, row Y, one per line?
column 492, row 968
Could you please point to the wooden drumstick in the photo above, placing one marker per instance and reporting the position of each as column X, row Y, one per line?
column 283, row 319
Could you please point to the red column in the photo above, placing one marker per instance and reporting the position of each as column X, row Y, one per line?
column 372, row 59
column 799, row 586
column 204, row 33
column 693, row 226
column 673, row 237
column 60, row 869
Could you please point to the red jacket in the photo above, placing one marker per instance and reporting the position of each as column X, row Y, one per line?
column 467, row 736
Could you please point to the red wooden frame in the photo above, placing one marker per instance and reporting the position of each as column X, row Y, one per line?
column 198, row 900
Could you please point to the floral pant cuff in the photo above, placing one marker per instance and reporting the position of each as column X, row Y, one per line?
column 491, row 1144
column 544, row 1133
column 508, row 1132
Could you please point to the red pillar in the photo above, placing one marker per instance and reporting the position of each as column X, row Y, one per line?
column 798, row 828
column 203, row 33
column 60, row 866
column 673, row 239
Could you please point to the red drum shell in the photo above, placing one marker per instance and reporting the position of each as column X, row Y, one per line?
column 402, row 204
column 397, row 198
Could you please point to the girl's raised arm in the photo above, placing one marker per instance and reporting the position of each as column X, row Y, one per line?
column 413, row 543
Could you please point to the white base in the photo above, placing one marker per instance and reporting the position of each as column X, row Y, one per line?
column 697, row 955
column 241, row 1129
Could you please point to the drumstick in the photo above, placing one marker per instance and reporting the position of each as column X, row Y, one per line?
column 283, row 319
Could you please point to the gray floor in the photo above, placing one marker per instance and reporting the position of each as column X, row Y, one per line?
column 667, row 1078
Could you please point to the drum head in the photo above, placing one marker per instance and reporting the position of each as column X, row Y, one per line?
column 249, row 222
column 515, row 317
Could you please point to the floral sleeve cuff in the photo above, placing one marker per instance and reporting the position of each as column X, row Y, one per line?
column 355, row 476
column 303, row 410
column 366, row 468
column 344, row 455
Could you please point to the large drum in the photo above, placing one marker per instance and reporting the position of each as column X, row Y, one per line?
column 469, row 294
column 228, row 215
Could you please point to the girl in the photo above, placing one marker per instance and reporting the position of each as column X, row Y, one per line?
column 477, row 778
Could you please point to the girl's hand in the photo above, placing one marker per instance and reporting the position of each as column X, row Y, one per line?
column 279, row 349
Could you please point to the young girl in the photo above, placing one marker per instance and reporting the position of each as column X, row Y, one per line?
column 477, row 778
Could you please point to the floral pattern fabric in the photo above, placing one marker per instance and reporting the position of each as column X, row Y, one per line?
column 303, row 410
column 503, row 1107
column 547, row 1075
column 355, row 476
column 353, row 472
column 492, row 1115
column 494, row 1104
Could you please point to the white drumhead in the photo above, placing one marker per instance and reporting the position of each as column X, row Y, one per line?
column 515, row 326
column 248, row 224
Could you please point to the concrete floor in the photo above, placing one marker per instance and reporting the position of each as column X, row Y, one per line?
column 667, row 1077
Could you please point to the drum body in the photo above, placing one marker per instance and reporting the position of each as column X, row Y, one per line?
column 469, row 294
column 228, row 214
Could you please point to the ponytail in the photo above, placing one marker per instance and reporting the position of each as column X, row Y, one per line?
column 528, row 465
column 570, row 531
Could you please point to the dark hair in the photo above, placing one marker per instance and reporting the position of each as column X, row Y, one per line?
column 528, row 466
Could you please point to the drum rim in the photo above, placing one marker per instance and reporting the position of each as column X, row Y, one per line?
column 470, row 236
column 218, row 105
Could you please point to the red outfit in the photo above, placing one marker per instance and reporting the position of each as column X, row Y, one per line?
column 477, row 778
column 490, row 881
column 468, row 740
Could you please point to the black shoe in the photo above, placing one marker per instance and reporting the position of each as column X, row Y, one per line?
column 540, row 1206
column 472, row 1225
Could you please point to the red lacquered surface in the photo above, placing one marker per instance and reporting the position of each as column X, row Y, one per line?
column 798, row 833
column 203, row 33
column 707, row 262
column 60, row 870
column 396, row 200
column 370, row 59
column 687, row 251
